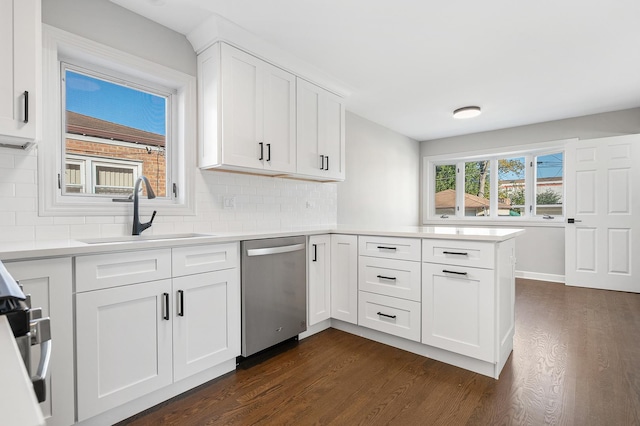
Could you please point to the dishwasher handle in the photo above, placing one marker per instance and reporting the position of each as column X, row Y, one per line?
column 275, row 250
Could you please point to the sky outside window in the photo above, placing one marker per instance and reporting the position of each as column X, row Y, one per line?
column 115, row 103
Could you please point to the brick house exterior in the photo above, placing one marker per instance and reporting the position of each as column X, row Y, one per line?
column 106, row 142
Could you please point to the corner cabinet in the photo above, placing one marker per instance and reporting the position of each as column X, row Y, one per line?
column 321, row 132
column 49, row 282
column 255, row 117
column 140, row 328
column 247, row 112
column 19, row 50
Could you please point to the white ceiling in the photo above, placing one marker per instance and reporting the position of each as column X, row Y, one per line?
column 410, row 63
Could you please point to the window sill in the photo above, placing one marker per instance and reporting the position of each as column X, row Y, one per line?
column 558, row 222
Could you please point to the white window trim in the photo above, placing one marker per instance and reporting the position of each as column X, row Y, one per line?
column 59, row 44
column 428, row 198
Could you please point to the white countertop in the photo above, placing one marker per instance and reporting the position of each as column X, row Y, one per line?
column 57, row 248
column 18, row 403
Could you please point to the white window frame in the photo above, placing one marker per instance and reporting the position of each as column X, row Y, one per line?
column 89, row 164
column 529, row 152
column 61, row 46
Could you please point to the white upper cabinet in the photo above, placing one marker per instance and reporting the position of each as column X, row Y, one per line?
column 258, row 118
column 19, row 49
column 247, row 112
column 321, row 135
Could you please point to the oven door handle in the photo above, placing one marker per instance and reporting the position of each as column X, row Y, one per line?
column 41, row 334
column 275, row 250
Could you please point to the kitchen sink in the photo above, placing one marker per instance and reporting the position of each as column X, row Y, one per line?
column 136, row 238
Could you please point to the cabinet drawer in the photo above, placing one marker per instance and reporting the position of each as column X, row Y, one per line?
column 116, row 269
column 205, row 258
column 389, row 247
column 454, row 252
column 399, row 317
column 396, row 278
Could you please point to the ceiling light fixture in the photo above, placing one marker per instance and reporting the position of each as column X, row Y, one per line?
column 467, row 112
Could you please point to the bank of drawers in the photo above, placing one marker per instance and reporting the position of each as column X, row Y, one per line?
column 100, row 271
column 389, row 285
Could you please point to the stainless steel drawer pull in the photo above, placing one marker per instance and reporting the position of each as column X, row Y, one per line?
column 386, row 315
column 382, row 277
column 453, row 272
column 387, row 248
column 315, row 253
column 457, row 253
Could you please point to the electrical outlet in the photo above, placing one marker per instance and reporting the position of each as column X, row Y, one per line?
column 229, row 203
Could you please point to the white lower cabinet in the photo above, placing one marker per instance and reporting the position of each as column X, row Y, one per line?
column 458, row 309
column 49, row 282
column 319, row 284
column 391, row 315
column 123, row 341
column 206, row 321
column 137, row 338
column 344, row 278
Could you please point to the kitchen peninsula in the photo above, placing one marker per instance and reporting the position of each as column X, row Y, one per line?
column 446, row 293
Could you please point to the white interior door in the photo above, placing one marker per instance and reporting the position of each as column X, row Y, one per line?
column 603, row 211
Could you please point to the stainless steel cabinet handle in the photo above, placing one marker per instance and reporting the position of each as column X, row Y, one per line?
column 261, row 151
column 41, row 334
column 268, row 152
column 386, row 315
column 315, row 253
column 387, row 248
column 180, row 303
column 327, row 157
column 458, row 253
column 275, row 250
column 322, row 162
column 165, row 313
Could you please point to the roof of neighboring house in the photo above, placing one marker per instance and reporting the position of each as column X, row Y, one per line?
column 447, row 199
column 89, row 126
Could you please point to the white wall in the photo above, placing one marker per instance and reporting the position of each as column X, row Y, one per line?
column 382, row 181
column 540, row 251
column 114, row 26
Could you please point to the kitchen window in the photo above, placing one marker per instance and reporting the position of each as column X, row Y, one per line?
column 117, row 117
column 506, row 186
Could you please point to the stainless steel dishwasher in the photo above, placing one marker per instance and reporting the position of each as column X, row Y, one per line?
column 274, row 292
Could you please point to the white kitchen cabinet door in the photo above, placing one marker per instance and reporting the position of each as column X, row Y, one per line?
column 19, row 49
column 206, row 321
column 458, row 310
column 49, row 283
column 319, row 267
column 279, row 115
column 344, row 277
column 258, row 113
column 321, row 137
column 123, row 345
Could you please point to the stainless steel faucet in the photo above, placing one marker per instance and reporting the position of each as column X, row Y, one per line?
column 137, row 226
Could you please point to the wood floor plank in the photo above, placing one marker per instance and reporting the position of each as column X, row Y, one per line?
column 576, row 361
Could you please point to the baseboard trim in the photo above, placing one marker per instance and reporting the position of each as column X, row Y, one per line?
column 540, row 277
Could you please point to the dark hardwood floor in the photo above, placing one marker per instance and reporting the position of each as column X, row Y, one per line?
column 576, row 361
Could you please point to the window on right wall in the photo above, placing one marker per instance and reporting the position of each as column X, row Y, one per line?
column 512, row 186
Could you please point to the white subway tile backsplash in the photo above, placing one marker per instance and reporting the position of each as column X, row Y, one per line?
column 261, row 204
